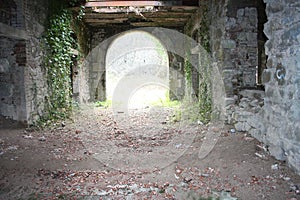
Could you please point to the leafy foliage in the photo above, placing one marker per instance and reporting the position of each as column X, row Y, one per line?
column 205, row 103
column 202, row 108
column 74, row 3
column 188, row 69
column 204, row 37
column 104, row 104
column 59, row 42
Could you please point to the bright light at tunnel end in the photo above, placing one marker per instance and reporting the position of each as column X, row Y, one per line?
column 130, row 82
column 137, row 63
column 147, row 95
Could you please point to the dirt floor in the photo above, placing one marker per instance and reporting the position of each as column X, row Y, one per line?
column 144, row 154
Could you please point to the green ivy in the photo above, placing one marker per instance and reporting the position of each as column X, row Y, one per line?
column 202, row 108
column 204, row 37
column 205, row 103
column 58, row 60
column 188, row 69
column 205, row 93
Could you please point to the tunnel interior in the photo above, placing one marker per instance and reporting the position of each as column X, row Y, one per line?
column 227, row 57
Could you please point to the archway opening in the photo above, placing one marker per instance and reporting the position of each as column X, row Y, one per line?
column 137, row 70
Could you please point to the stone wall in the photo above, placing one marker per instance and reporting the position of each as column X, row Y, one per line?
column 217, row 18
column 23, row 81
column 12, row 62
column 35, row 80
column 234, row 44
column 12, row 91
column 271, row 115
column 100, row 40
column 282, row 81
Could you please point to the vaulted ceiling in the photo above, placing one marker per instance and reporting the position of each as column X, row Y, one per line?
column 139, row 13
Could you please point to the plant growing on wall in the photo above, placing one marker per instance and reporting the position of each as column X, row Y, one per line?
column 204, row 37
column 202, row 109
column 205, row 93
column 188, row 69
column 205, row 101
column 59, row 42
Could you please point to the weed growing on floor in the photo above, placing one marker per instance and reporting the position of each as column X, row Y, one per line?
column 104, row 104
column 167, row 102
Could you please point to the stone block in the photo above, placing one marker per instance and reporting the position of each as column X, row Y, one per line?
column 229, row 101
column 240, row 13
column 242, row 126
column 244, row 104
column 253, row 94
column 253, row 21
column 250, row 12
column 4, row 65
column 6, row 90
column 294, row 161
column 295, row 111
column 242, row 116
column 266, row 76
column 249, row 78
column 230, row 23
column 274, row 7
column 291, row 35
column 277, row 152
column 242, row 36
column 258, row 134
column 254, row 103
column 228, row 44
column 256, row 122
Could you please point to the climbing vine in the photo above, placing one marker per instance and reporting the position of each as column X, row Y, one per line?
column 204, row 37
column 205, row 92
column 187, row 64
column 198, row 29
column 188, row 68
column 64, row 34
column 58, row 42
column 205, row 101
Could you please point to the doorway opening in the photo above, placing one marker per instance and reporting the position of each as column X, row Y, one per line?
column 262, row 39
column 137, row 70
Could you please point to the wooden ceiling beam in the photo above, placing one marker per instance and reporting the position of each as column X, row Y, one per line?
column 146, row 15
column 157, row 24
column 132, row 3
column 121, row 20
column 107, row 21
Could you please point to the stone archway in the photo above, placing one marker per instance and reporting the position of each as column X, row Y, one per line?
column 137, row 69
column 91, row 81
column 92, row 85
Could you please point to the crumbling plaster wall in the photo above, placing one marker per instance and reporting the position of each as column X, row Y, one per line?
column 35, row 80
column 12, row 62
column 23, row 81
column 12, row 91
